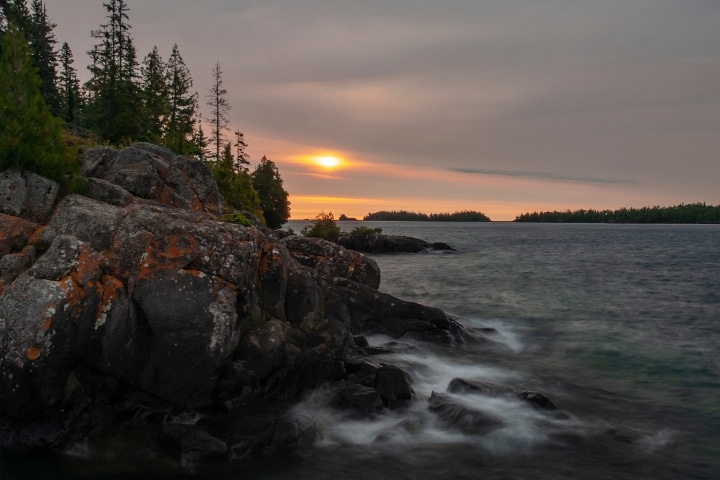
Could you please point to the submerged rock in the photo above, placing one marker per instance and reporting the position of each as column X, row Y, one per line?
column 462, row 417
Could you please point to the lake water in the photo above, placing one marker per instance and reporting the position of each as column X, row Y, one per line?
column 619, row 325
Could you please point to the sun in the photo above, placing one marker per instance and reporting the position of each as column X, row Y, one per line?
column 327, row 161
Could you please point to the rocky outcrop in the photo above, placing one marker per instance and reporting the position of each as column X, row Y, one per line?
column 150, row 172
column 136, row 302
column 376, row 242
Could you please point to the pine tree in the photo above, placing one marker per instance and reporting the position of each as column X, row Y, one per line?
column 182, row 108
column 155, row 95
column 200, row 141
column 30, row 137
column 68, row 86
column 273, row 197
column 236, row 186
column 114, row 108
column 43, row 42
column 220, row 108
column 242, row 159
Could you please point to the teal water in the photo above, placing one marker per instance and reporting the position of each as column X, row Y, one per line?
column 618, row 324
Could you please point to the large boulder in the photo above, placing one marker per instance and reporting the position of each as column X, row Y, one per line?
column 154, row 173
column 28, row 195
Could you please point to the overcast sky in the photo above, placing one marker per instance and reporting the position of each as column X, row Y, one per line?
column 502, row 106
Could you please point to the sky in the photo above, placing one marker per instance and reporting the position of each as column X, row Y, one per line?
column 498, row 106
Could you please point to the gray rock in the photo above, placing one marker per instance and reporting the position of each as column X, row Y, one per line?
column 27, row 194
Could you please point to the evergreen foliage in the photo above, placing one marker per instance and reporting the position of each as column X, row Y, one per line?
column 402, row 215
column 122, row 102
column 220, row 108
column 154, row 95
column 690, row 213
column 273, row 197
column 115, row 107
column 69, row 96
column 323, row 226
column 182, row 108
column 30, row 137
column 236, row 187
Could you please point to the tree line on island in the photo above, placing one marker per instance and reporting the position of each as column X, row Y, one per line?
column 683, row 213
column 402, row 215
column 47, row 117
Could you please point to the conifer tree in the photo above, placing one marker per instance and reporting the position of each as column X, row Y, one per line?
column 114, row 109
column 68, row 86
column 235, row 186
column 242, row 159
column 182, row 108
column 273, row 197
column 200, row 141
column 30, row 137
column 154, row 95
column 42, row 40
column 220, row 108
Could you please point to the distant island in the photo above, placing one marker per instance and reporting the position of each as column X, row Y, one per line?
column 691, row 213
column 403, row 216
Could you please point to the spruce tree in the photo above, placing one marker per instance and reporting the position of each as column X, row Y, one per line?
column 42, row 39
column 30, row 137
column 273, row 197
column 68, row 86
column 182, row 108
column 220, row 108
column 242, row 159
column 114, row 109
column 154, row 95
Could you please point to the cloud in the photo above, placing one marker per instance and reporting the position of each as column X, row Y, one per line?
column 543, row 175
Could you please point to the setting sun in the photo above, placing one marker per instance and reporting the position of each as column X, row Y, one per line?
column 327, row 161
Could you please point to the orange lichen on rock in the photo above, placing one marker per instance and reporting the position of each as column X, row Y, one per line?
column 173, row 252
column 88, row 266
column 33, row 352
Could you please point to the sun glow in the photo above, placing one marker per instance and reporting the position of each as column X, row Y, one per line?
column 327, row 161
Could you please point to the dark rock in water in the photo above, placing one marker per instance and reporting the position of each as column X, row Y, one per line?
column 375, row 242
column 394, row 387
column 461, row 385
column 117, row 309
column 466, row 419
column 195, row 445
column 537, row 400
column 333, row 260
column 361, row 400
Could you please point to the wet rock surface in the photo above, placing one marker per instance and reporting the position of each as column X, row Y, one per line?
column 376, row 242
column 121, row 308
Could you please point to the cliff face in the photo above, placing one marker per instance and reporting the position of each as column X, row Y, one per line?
column 136, row 296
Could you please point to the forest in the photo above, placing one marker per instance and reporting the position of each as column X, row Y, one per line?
column 402, row 215
column 47, row 117
column 683, row 213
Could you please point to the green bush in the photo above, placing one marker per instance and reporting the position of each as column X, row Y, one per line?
column 324, row 227
column 362, row 230
column 236, row 218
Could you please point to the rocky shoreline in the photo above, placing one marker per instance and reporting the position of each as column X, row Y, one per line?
column 134, row 308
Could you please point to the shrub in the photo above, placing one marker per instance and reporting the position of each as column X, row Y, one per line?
column 362, row 230
column 323, row 226
column 236, row 218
